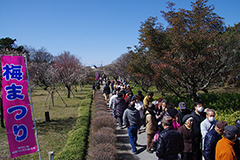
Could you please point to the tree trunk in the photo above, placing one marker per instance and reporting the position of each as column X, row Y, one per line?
column 194, row 95
column 52, row 98
column 69, row 91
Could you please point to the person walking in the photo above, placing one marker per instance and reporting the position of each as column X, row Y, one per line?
column 174, row 114
column 224, row 148
column 131, row 118
column 93, row 88
column 147, row 100
column 198, row 116
column 188, row 137
column 211, row 139
column 236, row 147
column 139, row 106
column 139, row 93
column 170, row 141
column 112, row 104
column 207, row 124
column 129, row 98
column 120, row 106
column 161, row 109
column 151, row 126
column 106, row 91
column 182, row 112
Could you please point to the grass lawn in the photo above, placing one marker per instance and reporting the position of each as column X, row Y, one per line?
column 52, row 135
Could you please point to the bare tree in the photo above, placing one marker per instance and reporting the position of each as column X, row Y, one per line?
column 67, row 67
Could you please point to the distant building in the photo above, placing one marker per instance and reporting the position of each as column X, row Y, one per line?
column 94, row 67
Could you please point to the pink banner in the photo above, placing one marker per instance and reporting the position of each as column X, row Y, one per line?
column 119, row 78
column 16, row 107
column 96, row 76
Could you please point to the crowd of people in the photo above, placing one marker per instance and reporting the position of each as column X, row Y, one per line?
column 171, row 133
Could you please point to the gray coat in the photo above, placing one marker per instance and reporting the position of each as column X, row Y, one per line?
column 131, row 117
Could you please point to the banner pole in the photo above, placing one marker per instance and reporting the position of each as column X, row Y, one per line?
column 35, row 127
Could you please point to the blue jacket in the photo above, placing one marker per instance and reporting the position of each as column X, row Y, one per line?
column 210, row 142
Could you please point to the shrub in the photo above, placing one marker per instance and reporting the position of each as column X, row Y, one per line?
column 100, row 108
column 103, row 137
column 104, row 151
column 216, row 101
column 107, row 129
column 100, row 102
column 103, row 121
column 100, row 113
column 227, row 115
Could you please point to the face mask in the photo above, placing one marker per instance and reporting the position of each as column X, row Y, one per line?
column 200, row 109
column 211, row 119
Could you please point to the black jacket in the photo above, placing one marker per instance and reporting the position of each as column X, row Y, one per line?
column 197, row 119
column 106, row 89
column 210, row 142
column 236, row 148
column 170, row 143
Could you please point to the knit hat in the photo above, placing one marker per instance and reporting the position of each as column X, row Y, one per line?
column 237, row 123
column 231, row 130
column 221, row 124
column 182, row 105
column 185, row 118
column 173, row 112
column 166, row 119
column 164, row 100
column 159, row 99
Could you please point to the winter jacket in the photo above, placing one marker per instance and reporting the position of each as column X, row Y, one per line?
column 188, row 138
column 139, row 107
column 197, row 119
column 236, row 148
column 120, row 106
column 210, row 142
column 151, row 124
column 224, row 150
column 170, row 143
column 205, row 127
column 131, row 117
column 106, row 90
column 147, row 101
column 112, row 102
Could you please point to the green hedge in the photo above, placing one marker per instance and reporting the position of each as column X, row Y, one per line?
column 216, row 101
column 226, row 105
column 77, row 138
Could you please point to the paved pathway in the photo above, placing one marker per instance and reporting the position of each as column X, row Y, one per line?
column 124, row 149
